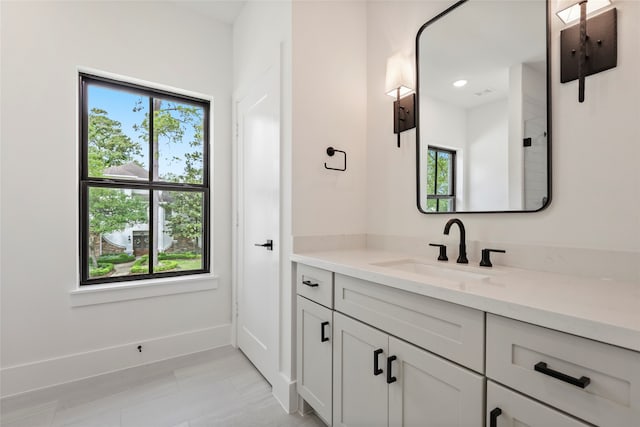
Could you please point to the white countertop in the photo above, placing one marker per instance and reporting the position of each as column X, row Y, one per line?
column 603, row 310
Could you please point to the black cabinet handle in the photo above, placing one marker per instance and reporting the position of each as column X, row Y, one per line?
column 376, row 368
column 322, row 337
column 390, row 378
column 493, row 417
column 581, row 382
column 308, row 283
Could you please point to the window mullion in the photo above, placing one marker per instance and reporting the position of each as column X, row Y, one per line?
column 435, row 178
column 152, row 159
column 108, row 183
column 152, row 215
column 152, row 200
column 84, row 231
column 84, row 137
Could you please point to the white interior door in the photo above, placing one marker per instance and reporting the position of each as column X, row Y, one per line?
column 258, row 203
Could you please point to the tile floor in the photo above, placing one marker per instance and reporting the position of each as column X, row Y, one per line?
column 219, row 387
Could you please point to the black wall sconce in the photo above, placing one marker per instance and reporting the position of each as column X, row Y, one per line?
column 399, row 81
column 590, row 46
column 404, row 114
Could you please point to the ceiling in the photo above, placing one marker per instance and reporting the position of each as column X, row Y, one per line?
column 478, row 42
column 221, row 10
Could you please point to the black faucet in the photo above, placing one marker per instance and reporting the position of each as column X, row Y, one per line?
column 462, row 255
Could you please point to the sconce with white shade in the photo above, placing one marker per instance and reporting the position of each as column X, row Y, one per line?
column 399, row 84
column 582, row 52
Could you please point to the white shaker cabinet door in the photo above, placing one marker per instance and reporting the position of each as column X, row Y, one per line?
column 314, row 365
column 360, row 391
column 430, row 391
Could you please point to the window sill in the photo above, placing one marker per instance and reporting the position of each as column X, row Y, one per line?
column 103, row 294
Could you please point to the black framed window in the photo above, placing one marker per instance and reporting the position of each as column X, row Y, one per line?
column 441, row 180
column 144, row 182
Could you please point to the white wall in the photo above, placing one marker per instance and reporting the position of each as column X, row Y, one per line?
column 588, row 210
column 487, row 163
column 391, row 176
column 262, row 37
column 329, row 95
column 42, row 46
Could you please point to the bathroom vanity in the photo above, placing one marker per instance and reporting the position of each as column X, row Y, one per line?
column 386, row 339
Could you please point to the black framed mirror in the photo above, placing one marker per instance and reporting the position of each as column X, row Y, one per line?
column 483, row 137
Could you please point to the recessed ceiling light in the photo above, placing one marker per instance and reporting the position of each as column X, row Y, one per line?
column 459, row 83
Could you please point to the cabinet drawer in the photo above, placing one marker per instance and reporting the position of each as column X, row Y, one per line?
column 315, row 284
column 450, row 330
column 515, row 410
column 530, row 358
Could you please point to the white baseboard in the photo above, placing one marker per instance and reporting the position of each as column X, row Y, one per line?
column 46, row 373
column 285, row 392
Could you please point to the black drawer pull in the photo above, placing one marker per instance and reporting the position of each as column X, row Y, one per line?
column 308, row 283
column 376, row 368
column 493, row 417
column 390, row 378
column 322, row 337
column 581, row 382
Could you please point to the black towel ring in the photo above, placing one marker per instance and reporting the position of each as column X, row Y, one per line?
column 330, row 152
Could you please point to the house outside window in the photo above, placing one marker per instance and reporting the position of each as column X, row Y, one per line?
column 441, row 182
column 144, row 182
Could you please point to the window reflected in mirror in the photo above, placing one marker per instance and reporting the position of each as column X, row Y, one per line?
column 441, row 188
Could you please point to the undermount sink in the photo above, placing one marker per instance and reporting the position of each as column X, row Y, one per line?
column 417, row 267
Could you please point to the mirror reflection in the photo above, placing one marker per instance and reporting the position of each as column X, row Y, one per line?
column 483, row 132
